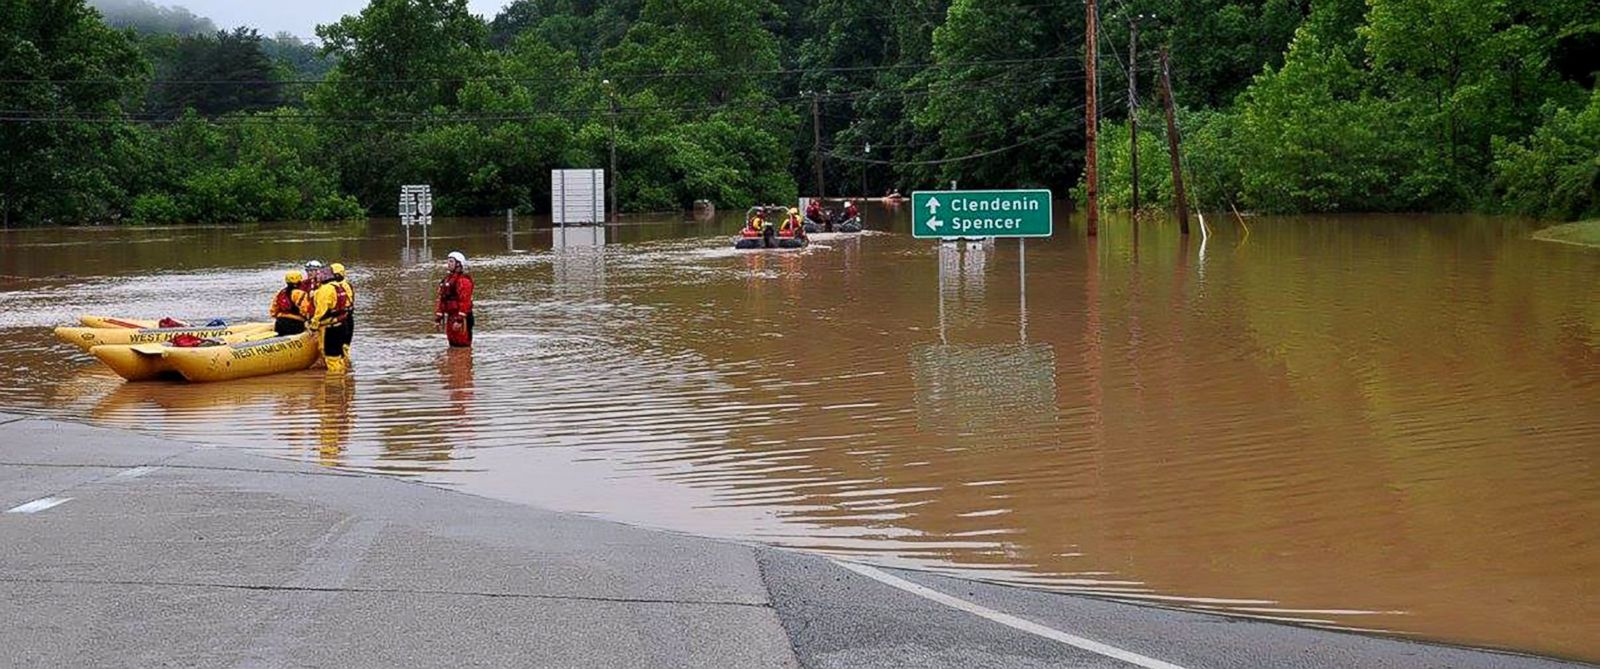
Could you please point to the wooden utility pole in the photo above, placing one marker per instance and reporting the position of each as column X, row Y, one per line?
column 1091, row 49
column 816, row 142
column 1173, row 143
column 612, row 182
column 1133, row 110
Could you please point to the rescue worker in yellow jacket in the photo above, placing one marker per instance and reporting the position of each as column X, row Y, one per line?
column 331, row 308
column 288, row 306
column 349, row 334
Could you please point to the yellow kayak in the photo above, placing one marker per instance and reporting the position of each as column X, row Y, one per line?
column 243, row 360
column 148, row 362
column 88, row 338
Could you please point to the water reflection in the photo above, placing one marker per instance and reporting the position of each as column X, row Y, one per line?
column 1383, row 422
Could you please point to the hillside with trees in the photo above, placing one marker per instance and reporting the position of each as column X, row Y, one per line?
column 149, row 113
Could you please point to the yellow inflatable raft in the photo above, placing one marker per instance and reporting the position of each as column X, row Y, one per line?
column 88, row 338
column 113, row 322
column 90, row 321
column 245, row 359
column 148, row 362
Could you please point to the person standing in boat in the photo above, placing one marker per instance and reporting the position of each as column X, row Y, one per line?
column 332, row 307
column 454, row 310
column 288, row 306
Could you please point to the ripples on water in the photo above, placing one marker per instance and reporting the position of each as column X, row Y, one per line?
column 1378, row 423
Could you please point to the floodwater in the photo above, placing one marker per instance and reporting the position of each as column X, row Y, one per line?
column 1382, row 423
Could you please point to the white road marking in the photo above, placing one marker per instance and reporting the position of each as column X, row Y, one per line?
column 40, row 505
column 1007, row 619
column 136, row 472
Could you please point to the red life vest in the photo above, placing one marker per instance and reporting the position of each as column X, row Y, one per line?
column 285, row 306
column 341, row 304
column 450, row 299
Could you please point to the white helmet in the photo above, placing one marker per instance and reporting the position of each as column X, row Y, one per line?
column 849, row 204
column 313, row 266
column 458, row 257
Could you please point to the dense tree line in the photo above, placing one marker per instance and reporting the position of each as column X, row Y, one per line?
column 149, row 113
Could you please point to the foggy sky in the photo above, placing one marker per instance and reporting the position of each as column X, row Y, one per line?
column 296, row 16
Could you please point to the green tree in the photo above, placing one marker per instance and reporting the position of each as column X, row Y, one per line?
column 65, row 152
column 216, row 74
column 1555, row 172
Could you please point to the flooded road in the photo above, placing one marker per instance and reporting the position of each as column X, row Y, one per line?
column 1383, row 423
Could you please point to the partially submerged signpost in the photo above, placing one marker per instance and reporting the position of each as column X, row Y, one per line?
column 416, row 208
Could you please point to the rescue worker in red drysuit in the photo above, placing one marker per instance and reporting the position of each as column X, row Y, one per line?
column 814, row 213
column 454, row 310
column 287, row 310
column 850, row 211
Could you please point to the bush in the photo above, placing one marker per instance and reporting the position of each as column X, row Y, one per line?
column 1555, row 173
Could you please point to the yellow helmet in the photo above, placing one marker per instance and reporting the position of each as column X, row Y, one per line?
column 338, row 269
column 294, row 276
column 793, row 210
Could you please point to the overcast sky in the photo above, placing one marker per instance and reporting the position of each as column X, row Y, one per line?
column 296, row 16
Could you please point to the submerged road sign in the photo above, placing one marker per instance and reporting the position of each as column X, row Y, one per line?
column 981, row 213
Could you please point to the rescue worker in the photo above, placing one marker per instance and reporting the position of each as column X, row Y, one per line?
column 814, row 213
column 349, row 334
column 793, row 224
column 756, row 222
column 287, row 310
column 850, row 211
column 454, row 310
column 331, row 308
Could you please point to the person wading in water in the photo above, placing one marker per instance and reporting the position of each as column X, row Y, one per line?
column 454, row 311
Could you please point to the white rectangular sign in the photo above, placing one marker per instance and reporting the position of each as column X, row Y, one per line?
column 578, row 197
column 416, row 205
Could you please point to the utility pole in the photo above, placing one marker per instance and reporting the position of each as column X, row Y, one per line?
column 1133, row 109
column 1091, row 112
column 816, row 142
column 611, row 184
column 1172, row 144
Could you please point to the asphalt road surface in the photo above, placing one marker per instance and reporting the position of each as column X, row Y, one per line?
column 118, row 549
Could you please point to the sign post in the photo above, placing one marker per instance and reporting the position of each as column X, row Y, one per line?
column 981, row 213
column 416, row 208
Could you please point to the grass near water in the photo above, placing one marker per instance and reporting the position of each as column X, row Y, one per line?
column 1584, row 233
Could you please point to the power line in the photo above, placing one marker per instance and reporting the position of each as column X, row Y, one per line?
column 584, row 77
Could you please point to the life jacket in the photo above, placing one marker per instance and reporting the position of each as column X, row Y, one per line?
column 285, row 306
column 341, row 303
column 814, row 211
column 755, row 224
column 351, row 292
column 851, row 212
column 792, row 225
column 449, row 292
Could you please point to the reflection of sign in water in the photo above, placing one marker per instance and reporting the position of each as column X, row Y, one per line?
column 577, row 197
column 578, row 260
column 981, row 213
column 969, row 388
column 416, row 205
column 963, row 270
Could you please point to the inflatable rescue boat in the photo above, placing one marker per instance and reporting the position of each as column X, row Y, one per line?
column 242, row 360
column 88, row 338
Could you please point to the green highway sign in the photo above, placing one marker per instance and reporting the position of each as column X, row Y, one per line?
column 981, row 213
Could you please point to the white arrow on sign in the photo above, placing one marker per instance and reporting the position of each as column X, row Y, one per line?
column 935, row 224
column 933, row 206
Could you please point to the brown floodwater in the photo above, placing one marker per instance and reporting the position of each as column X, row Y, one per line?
column 1381, row 423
